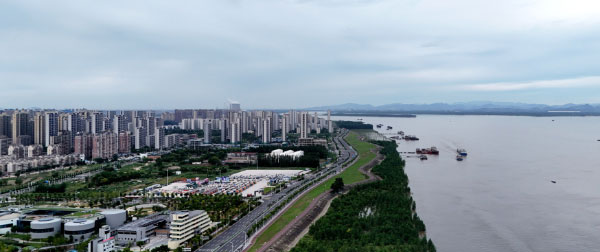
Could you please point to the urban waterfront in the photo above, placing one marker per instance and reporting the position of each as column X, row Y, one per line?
column 501, row 197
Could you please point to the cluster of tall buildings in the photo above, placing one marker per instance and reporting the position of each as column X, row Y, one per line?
column 93, row 134
column 96, row 134
column 233, row 123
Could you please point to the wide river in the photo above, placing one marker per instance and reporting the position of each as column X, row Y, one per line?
column 501, row 198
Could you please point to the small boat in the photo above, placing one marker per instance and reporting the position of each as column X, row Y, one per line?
column 389, row 127
column 459, row 158
column 553, row 182
column 401, row 133
column 461, row 152
column 410, row 138
column 423, row 157
column 431, row 151
column 379, row 125
column 395, row 137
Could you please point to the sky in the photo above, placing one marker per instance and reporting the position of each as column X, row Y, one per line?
column 292, row 54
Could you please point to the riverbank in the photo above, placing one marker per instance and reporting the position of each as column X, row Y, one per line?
column 378, row 216
column 349, row 175
column 289, row 236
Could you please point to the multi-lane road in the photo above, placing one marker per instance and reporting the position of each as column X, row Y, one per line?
column 235, row 237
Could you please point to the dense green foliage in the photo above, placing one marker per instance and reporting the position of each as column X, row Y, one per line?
column 56, row 188
column 337, row 185
column 110, row 176
column 250, row 138
column 353, row 125
column 378, row 216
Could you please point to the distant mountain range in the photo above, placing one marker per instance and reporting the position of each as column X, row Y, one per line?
column 481, row 107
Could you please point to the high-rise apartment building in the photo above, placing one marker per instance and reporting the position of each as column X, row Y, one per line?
column 97, row 122
column 236, row 136
column 39, row 128
column 124, row 142
column 50, row 126
column 207, row 128
column 74, row 123
column 20, row 127
column 83, row 145
column 140, row 134
column 235, row 106
column 5, row 125
column 4, row 143
column 159, row 138
column 224, row 131
column 105, row 145
column 266, row 135
column 119, row 124
column 304, row 125
column 329, row 123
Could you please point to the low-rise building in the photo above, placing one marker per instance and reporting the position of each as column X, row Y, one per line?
column 185, row 224
column 140, row 229
column 79, row 229
column 241, row 158
column 10, row 165
column 34, row 150
column 7, row 221
column 312, row 142
column 105, row 241
column 45, row 227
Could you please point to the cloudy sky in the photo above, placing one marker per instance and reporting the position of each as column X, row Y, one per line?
column 284, row 53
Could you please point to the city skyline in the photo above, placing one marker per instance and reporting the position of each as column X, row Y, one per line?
column 154, row 55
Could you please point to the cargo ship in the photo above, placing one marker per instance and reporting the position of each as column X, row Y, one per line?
column 431, row 151
column 461, row 152
column 411, row 138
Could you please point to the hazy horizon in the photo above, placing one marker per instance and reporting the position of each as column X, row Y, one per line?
column 226, row 106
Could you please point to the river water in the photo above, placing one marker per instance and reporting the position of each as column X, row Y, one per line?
column 501, row 198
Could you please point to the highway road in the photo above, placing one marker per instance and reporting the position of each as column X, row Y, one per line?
column 235, row 237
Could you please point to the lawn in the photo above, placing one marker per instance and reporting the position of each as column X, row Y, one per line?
column 350, row 175
column 83, row 213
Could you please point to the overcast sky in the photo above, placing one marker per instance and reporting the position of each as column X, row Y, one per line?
column 284, row 53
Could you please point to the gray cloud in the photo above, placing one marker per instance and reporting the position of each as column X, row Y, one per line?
column 272, row 54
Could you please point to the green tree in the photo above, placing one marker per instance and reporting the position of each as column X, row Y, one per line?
column 337, row 185
column 214, row 160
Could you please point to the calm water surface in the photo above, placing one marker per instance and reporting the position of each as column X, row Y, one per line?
column 501, row 198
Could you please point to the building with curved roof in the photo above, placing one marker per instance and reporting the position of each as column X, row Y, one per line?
column 79, row 229
column 115, row 217
column 45, row 227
